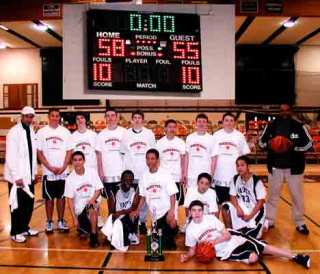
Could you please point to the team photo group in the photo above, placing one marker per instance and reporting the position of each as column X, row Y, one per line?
column 204, row 183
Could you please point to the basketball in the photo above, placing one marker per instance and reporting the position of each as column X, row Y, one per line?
column 280, row 144
column 205, row 252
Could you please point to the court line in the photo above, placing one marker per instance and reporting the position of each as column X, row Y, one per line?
column 264, row 266
column 105, row 262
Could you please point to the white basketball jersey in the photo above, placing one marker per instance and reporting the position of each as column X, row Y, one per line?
column 124, row 200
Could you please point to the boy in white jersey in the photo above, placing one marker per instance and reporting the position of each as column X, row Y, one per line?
column 228, row 145
column 198, row 151
column 120, row 229
column 84, row 140
column 135, row 143
column 110, row 163
column 83, row 188
column 229, row 244
column 158, row 190
column 246, row 210
column 203, row 193
column 54, row 152
column 172, row 152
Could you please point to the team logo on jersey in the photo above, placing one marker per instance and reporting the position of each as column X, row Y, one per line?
column 113, row 141
column 198, row 147
column 207, row 234
column 54, row 139
column 138, row 145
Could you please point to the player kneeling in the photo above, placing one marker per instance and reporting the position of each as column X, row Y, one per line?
column 246, row 210
column 229, row 245
column 83, row 188
column 120, row 228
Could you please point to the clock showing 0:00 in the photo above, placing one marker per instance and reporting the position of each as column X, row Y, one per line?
column 144, row 51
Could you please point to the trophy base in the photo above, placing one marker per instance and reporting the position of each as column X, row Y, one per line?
column 150, row 258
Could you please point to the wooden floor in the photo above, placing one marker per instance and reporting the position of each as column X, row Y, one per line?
column 66, row 253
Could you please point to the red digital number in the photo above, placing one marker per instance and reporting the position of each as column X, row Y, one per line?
column 102, row 72
column 191, row 75
column 111, row 47
column 185, row 50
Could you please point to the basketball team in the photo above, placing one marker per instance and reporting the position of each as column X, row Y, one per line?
column 226, row 206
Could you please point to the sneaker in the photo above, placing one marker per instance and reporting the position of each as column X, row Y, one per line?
column 142, row 228
column 267, row 225
column 19, row 238
column 303, row 229
column 49, row 227
column 93, row 240
column 303, row 260
column 100, row 221
column 134, row 240
column 62, row 226
column 31, row 232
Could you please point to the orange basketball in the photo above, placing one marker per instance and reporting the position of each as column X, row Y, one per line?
column 280, row 144
column 205, row 252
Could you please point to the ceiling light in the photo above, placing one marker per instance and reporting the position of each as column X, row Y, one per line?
column 289, row 23
column 2, row 45
column 3, row 27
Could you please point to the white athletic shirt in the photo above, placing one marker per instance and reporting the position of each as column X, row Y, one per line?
column 86, row 143
column 170, row 155
column 208, row 198
column 157, row 188
column 245, row 193
column 81, row 188
column 124, row 200
column 227, row 147
column 54, row 144
column 199, row 148
column 134, row 147
column 108, row 143
column 209, row 229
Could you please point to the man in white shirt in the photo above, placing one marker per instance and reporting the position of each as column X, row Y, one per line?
column 84, row 140
column 20, row 170
column 83, row 188
column 228, row 145
column 198, row 151
column 54, row 153
column 110, row 162
column 172, row 152
column 135, row 143
column 158, row 190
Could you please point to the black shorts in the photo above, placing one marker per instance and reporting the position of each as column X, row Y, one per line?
column 110, row 189
column 222, row 194
column 52, row 189
column 84, row 221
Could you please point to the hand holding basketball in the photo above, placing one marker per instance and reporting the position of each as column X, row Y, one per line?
column 280, row 144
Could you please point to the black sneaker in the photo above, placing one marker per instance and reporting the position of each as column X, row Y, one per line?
column 303, row 260
column 94, row 240
column 303, row 229
column 142, row 229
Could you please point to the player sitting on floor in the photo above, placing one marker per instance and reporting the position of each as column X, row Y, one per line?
column 120, row 229
column 83, row 188
column 229, row 244
column 246, row 210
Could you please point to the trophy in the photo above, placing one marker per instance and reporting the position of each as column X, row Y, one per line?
column 154, row 241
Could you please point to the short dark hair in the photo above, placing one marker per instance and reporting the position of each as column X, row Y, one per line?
column 80, row 153
column 228, row 114
column 111, row 109
column 244, row 158
column 202, row 116
column 169, row 121
column 196, row 203
column 53, row 110
column 127, row 172
column 153, row 151
column 137, row 112
column 81, row 113
column 206, row 176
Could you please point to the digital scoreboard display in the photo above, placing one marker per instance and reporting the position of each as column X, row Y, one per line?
column 144, row 51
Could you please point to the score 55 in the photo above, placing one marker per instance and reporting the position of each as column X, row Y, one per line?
column 185, row 50
column 111, row 47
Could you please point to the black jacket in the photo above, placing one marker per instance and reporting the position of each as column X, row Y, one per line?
column 297, row 134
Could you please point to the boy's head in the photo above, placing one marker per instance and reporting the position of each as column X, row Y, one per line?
column 81, row 119
column 77, row 159
column 137, row 118
column 170, row 127
column 54, row 116
column 111, row 116
column 228, row 121
column 196, row 210
column 242, row 164
column 127, row 178
column 152, row 158
column 202, row 122
column 204, row 182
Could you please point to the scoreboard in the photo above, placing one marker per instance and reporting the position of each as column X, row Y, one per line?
column 143, row 51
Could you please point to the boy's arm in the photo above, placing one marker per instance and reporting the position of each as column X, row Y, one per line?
column 234, row 201
column 255, row 210
column 191, row 252
column 225, row 236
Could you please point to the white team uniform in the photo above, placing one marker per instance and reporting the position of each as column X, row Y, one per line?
column 208, row 199
column 199, row 149
column 109, row 143
column 227, row 147
column 54, row 144
column 134, row 147
column 86, row 143
column 157, row 188
column 81, row 188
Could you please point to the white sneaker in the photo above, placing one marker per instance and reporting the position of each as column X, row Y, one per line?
column 134, row 240
column 19, row 238
column 31, row 232
column 62, row 226
column 100, row 221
